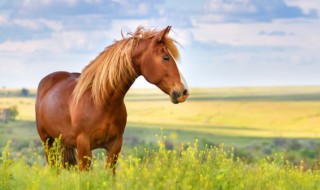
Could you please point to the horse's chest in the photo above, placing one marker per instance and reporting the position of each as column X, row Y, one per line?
column 106, row 135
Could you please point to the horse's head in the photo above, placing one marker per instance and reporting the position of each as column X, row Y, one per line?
column 155, row 59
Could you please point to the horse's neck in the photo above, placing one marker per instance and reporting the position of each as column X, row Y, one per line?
column 117, row 95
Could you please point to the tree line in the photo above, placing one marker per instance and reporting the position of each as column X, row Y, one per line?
column 24, row 92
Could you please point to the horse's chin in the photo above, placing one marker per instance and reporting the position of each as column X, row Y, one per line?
column 180, row 99
column 174, row 101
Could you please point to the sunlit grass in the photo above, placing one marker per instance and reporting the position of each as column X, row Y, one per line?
column 274, row 119
column 25, row 106
column 266, row 117
column 185, row 167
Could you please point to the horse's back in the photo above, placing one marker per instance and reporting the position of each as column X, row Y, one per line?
column 50, row 80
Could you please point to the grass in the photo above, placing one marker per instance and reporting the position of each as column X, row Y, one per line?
column 266, row 126
column 186, row 167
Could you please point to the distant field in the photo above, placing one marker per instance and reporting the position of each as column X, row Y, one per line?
column 253, row 112
column 247, row 112
column 257, row 121
column 25, row 106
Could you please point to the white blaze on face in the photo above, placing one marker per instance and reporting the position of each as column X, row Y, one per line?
column 182, row 80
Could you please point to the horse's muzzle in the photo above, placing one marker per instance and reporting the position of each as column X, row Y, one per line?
column 179, row 97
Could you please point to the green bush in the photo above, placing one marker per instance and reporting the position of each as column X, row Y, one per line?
column 12, row 113
column 24, row 92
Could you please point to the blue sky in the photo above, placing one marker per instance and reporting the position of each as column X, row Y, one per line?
column 224, row 42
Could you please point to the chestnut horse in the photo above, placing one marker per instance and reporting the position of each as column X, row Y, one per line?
column 88, row 109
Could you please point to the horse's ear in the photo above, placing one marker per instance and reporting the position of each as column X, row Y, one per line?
column 161, row 35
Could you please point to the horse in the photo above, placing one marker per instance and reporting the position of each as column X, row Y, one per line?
column 87, row 109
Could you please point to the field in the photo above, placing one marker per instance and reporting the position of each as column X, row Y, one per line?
column 270, row 137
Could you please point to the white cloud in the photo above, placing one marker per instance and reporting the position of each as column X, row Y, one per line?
column 52, row 24
column 303, row 33
column 136, row 9
column 78, row 40
column 8, row 64
column 305, row 5
column 72, row 2
column 71, row 40
column 124, row 25
column 31, row 3
column 29, row 46
column 183, row 36
column 248, row 11
column 27, row 23
column 32, row 24
column 34, row 2
column 282, row 52
column 220, row 6
column 128, row 8
column 247, row 36
column 62, row 42
column 3, row 19
column 93, row 1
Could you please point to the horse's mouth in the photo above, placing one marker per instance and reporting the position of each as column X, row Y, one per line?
column 177, row 98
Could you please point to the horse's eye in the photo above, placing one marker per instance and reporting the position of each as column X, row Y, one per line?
column 166, row 58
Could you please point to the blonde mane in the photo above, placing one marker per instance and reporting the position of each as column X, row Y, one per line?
column 112, row 69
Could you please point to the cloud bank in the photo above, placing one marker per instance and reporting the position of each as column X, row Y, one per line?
column 224, row 42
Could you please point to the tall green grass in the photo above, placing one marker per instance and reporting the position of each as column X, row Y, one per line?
column 185, row 167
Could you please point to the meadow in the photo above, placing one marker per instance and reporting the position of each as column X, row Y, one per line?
column 186, row 167
column 270, row 138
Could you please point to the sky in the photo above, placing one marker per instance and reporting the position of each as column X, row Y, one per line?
column 223, row 43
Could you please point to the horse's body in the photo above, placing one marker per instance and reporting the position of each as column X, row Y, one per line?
column 88, row 109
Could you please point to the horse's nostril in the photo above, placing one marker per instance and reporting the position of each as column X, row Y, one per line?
column 175, row 95
column 185, row 92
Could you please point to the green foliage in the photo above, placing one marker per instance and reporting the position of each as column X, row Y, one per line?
column 12, row 113
column 24, row 92
column 184, row 167
column 5, row 162
column 54, row 154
